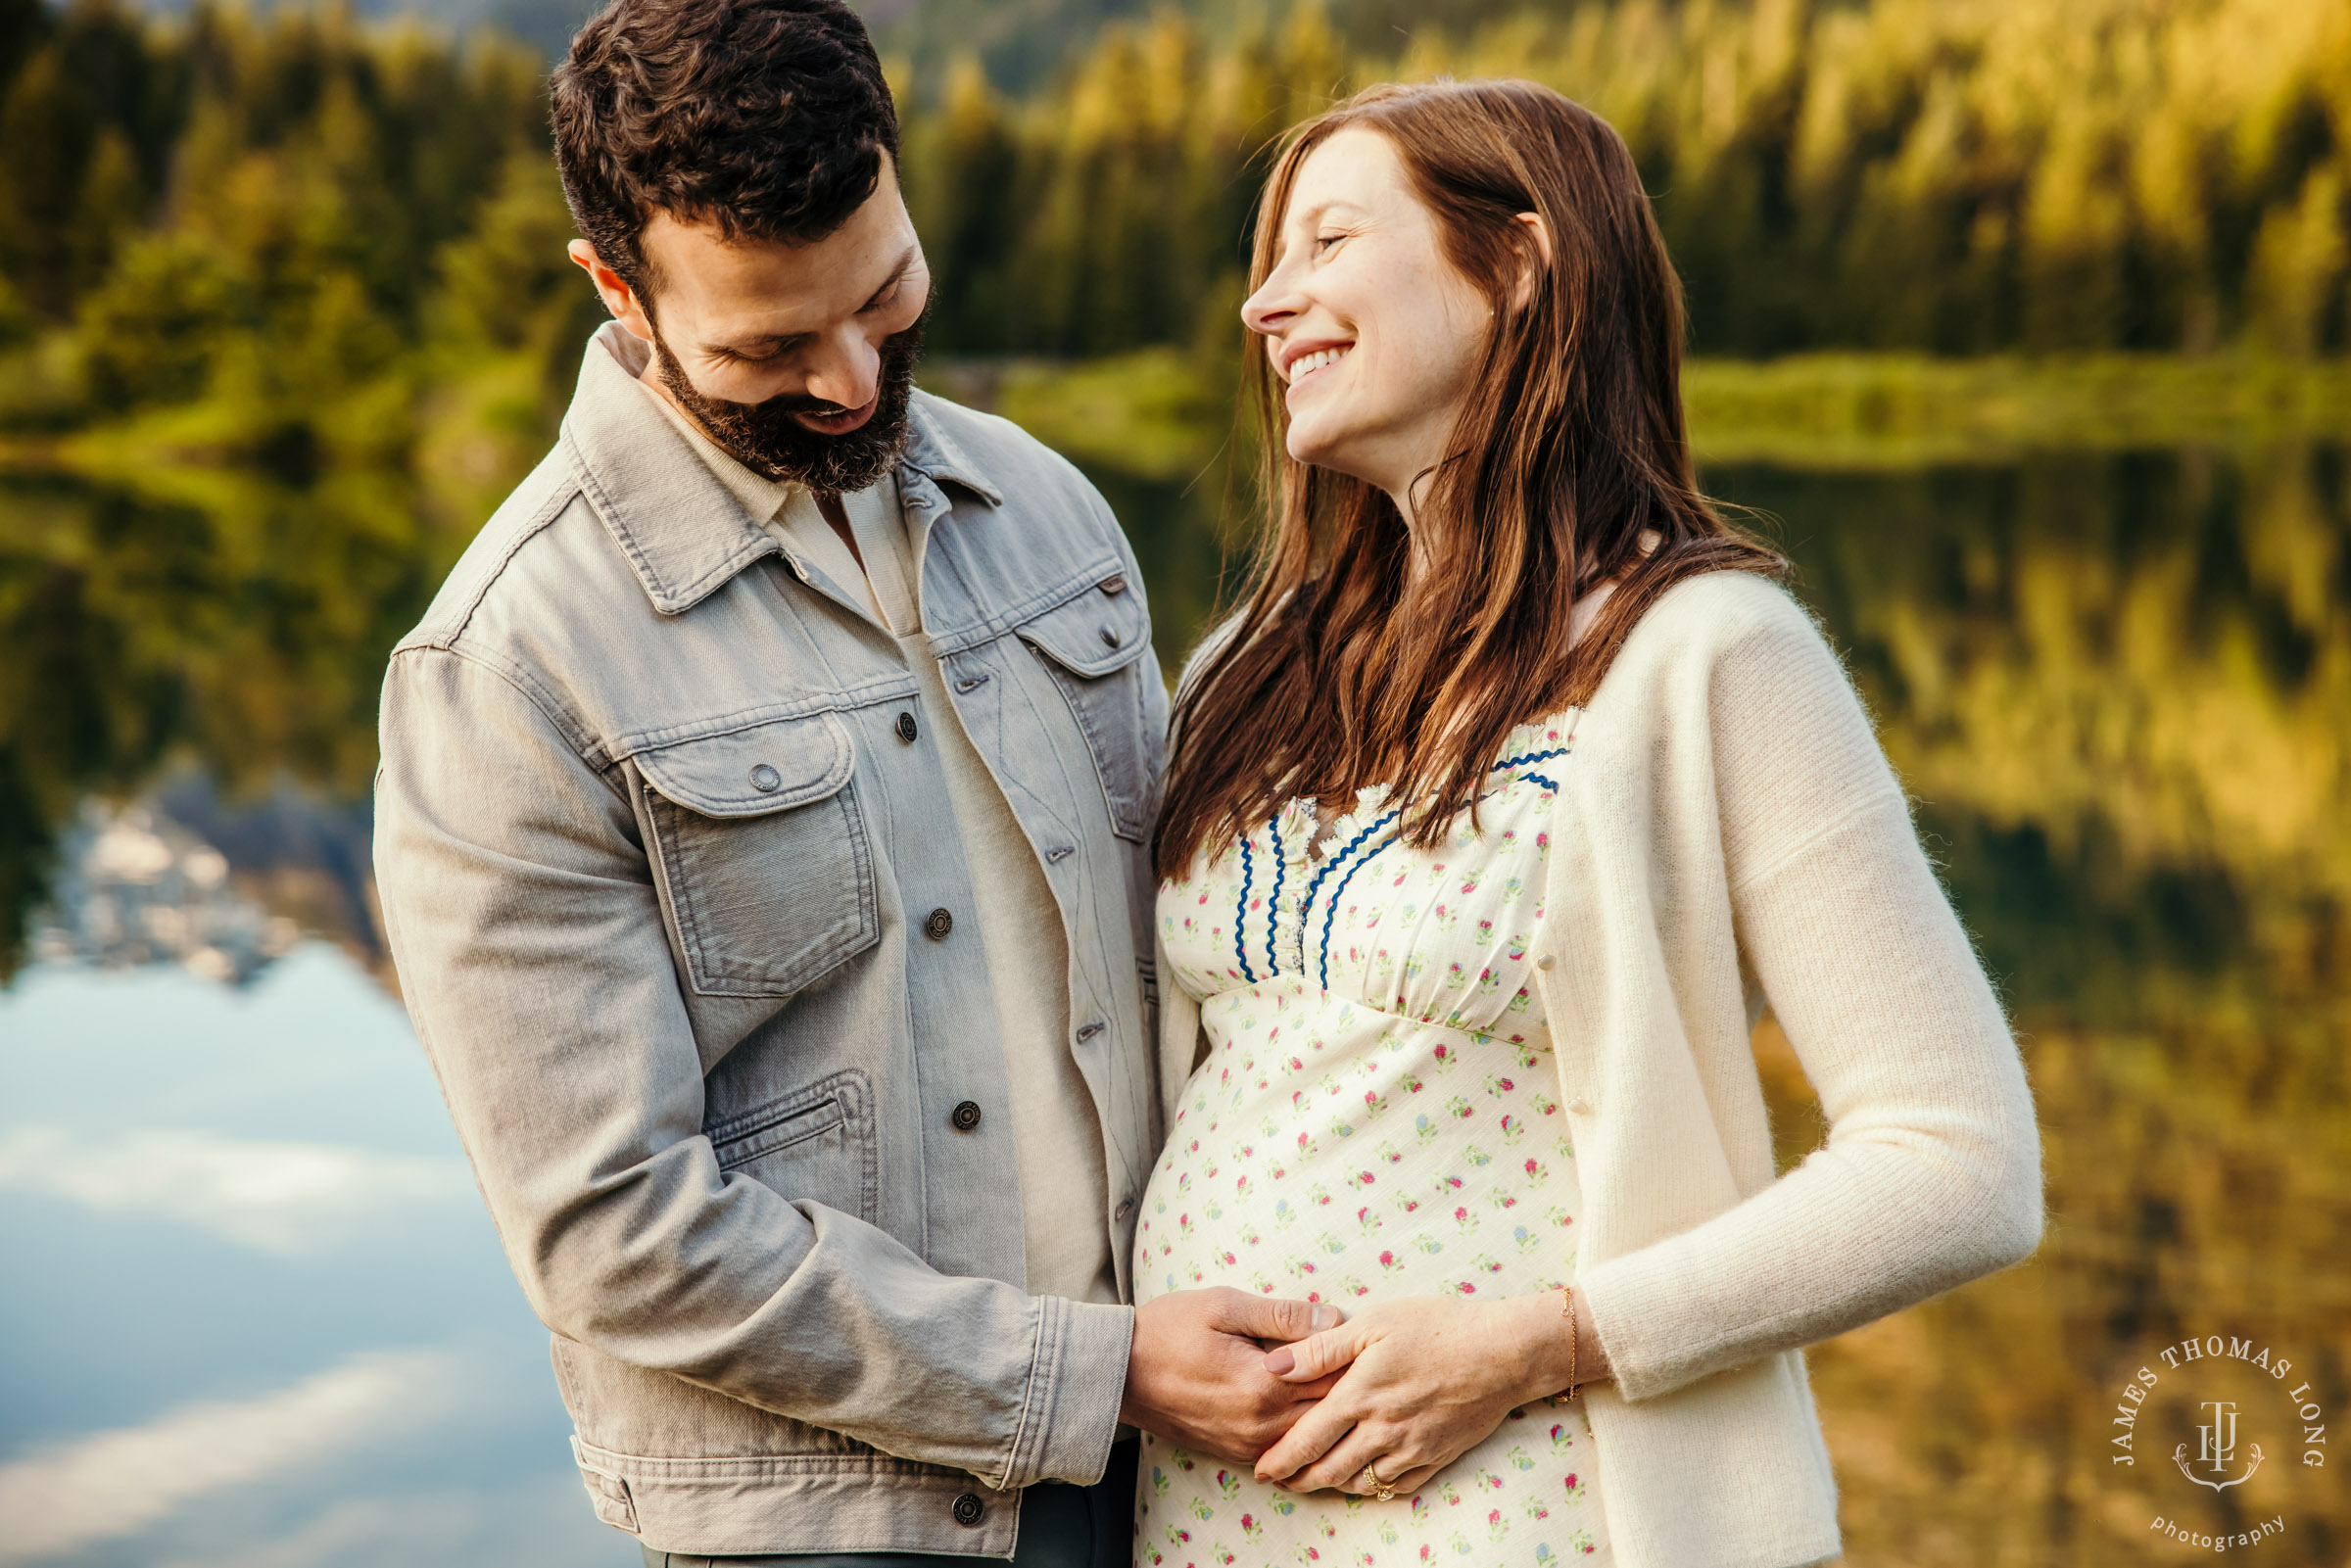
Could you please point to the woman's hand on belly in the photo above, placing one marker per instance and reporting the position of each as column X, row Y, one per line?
column 1427, row 1378
column 1198, row 1373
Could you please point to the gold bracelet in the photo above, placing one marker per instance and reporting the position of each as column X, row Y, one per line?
column 1567, row 1311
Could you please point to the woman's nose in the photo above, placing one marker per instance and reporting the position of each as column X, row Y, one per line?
column 1272, row 306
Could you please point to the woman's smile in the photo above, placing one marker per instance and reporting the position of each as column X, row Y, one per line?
column 1313, row 357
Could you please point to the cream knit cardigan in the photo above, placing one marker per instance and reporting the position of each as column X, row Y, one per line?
column 1727, row 835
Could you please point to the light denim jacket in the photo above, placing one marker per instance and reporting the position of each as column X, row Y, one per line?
column 656, row 864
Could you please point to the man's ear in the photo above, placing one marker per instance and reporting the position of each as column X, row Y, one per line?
column 1522, row 292
column 618, row 297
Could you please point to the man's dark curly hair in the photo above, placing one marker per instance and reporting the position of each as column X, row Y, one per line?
column 768, row 117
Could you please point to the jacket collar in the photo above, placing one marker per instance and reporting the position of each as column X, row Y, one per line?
column 684, row 532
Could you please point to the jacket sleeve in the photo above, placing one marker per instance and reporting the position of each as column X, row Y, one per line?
column 1931, row 1175
column 532, row 955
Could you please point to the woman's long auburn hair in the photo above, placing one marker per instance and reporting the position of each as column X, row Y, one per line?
column 1338, row 672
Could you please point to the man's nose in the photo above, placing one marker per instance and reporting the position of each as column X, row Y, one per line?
column 848, row 374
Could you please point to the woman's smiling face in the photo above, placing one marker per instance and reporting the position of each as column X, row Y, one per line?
column 1373, row 331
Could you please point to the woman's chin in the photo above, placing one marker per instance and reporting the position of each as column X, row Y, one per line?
column 1321, row 448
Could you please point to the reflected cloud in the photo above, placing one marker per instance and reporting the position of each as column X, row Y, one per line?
column 114, row 1484
column 531, row 1524
column 288, row 1199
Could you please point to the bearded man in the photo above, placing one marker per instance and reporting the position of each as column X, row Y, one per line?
column 762, row 839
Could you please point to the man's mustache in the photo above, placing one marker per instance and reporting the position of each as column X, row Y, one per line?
column 789, row 403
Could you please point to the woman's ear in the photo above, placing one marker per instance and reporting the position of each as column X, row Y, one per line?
column 1533, row 261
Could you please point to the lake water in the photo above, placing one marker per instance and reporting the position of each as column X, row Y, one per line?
column 253, row 1311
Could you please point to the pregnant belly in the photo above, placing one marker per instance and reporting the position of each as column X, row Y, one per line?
column 1389, row 1158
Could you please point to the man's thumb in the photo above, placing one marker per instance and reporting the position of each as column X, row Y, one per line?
column 1269, row 1317
column 1316, row 1357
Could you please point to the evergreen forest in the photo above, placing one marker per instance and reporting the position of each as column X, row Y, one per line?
column 299, row 234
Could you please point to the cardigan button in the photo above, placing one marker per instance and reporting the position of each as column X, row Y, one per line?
column 1545, row 962
column 1579, row 1105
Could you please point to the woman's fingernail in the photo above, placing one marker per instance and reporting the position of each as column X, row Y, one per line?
column 1280, row 1363
column 1325, row 1316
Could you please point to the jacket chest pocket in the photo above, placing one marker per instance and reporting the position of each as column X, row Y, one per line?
column 1092, row 644
column 763, row 854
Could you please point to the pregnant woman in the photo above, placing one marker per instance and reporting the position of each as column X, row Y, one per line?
column 1513, row 794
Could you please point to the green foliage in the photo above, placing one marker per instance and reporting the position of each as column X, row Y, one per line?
column 1955, row 176
column 156, row 325
column 251, row 211
column 326, row 227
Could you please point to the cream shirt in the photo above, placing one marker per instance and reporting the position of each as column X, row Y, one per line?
column 1057, row 1136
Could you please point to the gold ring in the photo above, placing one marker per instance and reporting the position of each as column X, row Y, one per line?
column 1382, row 1491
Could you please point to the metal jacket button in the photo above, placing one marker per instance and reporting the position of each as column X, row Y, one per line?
column 906, row 730
column 965, row 1117
column 1113, row 585
column 766, row 779
column 1110, row 637
column 1126, row 1208
column 969, row 1510
column 938, row 925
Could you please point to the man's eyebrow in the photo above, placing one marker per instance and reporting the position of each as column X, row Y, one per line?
column 897, row 274
column 782, row 342
column 760, row 343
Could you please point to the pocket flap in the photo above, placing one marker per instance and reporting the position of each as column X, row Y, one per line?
column 748, row 772
column 1101, row 627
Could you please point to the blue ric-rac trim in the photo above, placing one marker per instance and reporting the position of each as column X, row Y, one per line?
column 1241, row 919
column 1531, row 756
column 1273, row 903
column 1331, row 864
column 1305, row 905
column 1331, row 909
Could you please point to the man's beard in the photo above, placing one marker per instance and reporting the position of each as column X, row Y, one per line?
column 766, row 438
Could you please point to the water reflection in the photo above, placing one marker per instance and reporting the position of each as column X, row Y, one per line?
column 2118, row 684
column 253, row 1308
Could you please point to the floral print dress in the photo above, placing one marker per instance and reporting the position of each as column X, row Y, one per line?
column 1376, row 1118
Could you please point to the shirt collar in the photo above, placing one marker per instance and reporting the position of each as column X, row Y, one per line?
column 687, row 523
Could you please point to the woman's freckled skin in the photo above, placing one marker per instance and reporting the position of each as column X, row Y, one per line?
column 1362, row 265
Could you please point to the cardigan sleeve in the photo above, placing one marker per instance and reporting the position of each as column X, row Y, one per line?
column 1931, row 1175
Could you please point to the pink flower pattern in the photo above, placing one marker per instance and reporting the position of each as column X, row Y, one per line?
column 1375, row 1036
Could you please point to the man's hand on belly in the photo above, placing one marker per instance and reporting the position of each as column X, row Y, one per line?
column 1197, row 1374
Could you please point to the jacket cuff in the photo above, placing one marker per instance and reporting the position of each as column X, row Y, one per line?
column 1075, row 1388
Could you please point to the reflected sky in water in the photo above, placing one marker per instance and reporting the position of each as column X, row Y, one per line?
column 253, row 1309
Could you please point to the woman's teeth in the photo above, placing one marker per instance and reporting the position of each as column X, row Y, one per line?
column 1308, row 363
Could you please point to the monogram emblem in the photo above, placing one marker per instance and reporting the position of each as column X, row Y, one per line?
column 2218, row 1448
